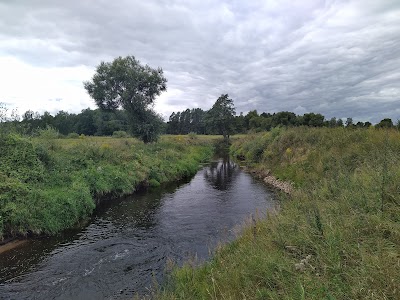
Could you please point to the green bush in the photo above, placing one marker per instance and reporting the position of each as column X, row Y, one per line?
column 120, row 134
column 73, row 135
column 48, row 133
column 19, row 159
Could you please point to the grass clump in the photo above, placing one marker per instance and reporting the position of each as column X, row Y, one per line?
column 337, row 236
column 49, row 184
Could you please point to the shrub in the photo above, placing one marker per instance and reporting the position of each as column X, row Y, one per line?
column 48, row 133
column 73, row 135
column 19, row 159
column 120, row 134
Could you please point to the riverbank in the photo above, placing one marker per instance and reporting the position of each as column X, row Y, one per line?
column 48, row 185
column 337, row 235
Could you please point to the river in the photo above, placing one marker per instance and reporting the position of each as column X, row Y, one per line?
column 124, row 247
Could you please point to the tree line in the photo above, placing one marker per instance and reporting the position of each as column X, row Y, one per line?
column 125, row 91
column 88, row 122
column 98, row 122
column 197, row 121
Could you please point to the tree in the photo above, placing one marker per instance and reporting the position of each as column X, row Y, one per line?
column 86, row 122
column 125, row 83
column 221, row 116
column 197, row 123
column 284, row 118
column 314, row 120
column 385, row 123
column 332, row 122
column 251, row 114
column 64, row 122
column 360, row 124
column 240, row 123
column 349, row 122
column 173, row 124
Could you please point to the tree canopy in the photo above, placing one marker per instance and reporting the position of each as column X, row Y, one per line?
column 221, row 116
column 385, row 123
column 125, row 83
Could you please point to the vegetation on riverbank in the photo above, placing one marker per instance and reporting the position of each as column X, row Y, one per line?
column 48, row 184
column 337, row 236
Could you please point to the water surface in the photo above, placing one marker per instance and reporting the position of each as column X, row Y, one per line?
column 124, row 247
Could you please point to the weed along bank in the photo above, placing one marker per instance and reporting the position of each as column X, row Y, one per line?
column 337, row 234
column 48, row 185
column 124, row 247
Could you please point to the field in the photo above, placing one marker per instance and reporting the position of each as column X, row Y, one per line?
column 337, row 236
column 49, row 184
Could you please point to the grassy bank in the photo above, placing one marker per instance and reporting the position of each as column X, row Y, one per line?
column 47, row 184
column 336, row 237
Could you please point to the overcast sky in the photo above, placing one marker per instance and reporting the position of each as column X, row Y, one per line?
column 338, row 58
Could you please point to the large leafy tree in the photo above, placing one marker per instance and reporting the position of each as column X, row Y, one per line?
column 385, row 123
column 127, row 84
column 221, row 116
column 314, row 120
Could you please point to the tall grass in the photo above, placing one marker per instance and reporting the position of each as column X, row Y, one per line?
column 48, row 184
column 331, row 238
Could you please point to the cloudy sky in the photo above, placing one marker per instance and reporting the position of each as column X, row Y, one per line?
column 338, row 58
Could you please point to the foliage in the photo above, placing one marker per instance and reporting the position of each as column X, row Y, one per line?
column 330, row 239
column 312, row 119
column 19, row 159
column 187, row 121
column 195, row 120
column 48, row 133
column 73, row 135
column 349, row 122
column 104, row 122
column 120, row 134
column 221, row 116
column 125, row 83
column 385, row 123
column 49, row 185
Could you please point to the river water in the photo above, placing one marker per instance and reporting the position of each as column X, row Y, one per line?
column 124, row 247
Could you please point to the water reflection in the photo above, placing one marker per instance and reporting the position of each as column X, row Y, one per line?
column 129, row 240
column 221, row 173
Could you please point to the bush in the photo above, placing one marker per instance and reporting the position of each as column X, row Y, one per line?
column 73, row 135
column 19, row 159
column 120, row 134
column 48, row 133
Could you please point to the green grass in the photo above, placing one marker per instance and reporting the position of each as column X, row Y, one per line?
column 49, row 184
column 344, row 215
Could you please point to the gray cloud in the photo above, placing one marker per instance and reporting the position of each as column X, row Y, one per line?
column 338, row 58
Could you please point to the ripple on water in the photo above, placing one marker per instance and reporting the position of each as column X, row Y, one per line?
column 128, row 242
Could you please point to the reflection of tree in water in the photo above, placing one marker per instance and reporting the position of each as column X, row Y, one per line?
column 221, row 173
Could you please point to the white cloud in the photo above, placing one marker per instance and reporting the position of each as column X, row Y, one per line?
column 338, row 58
column 43, row 89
